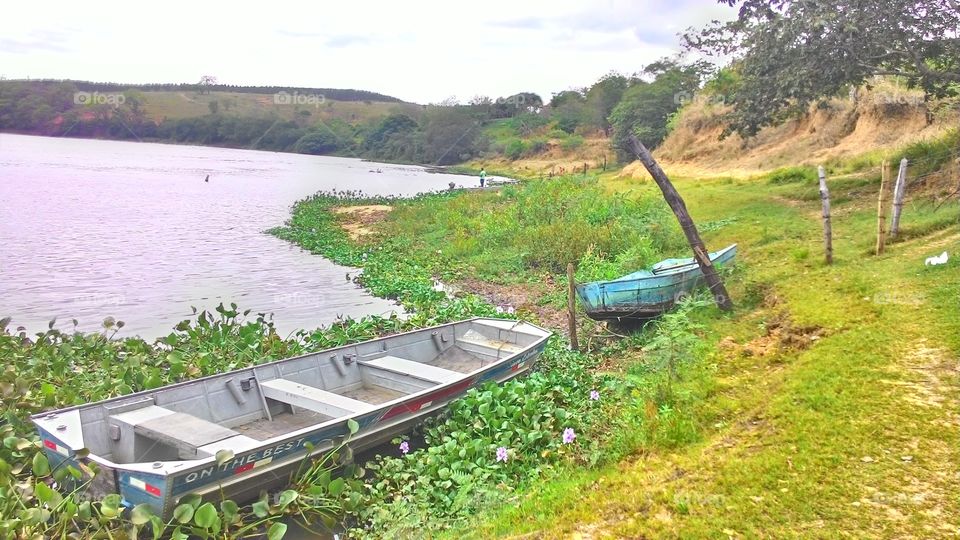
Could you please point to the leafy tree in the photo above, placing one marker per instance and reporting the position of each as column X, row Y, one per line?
column 449, row 134
column 790, row 53
column 515, row 105
column 646, row 107
column 394, row 126
column 603, row 96
column 569, row 109
column 317, row 142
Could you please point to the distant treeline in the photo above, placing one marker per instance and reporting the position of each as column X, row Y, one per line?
column 513, row 126
column 337, row 94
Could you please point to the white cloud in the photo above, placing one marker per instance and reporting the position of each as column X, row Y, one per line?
column 418, row 51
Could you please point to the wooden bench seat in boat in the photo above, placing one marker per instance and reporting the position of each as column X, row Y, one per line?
column 476, row 342
column 190, row 435
column 414, row 369
column 311, row 398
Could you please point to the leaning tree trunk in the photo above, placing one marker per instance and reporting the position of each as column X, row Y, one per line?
column 679, row 208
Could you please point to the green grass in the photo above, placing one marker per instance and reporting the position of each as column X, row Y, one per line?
column 851, row 434
column 174, row 105
column 518, row 232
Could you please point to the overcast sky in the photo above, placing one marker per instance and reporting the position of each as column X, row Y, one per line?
column 417, row 51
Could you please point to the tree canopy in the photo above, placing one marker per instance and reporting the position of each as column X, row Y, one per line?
column 789, row 53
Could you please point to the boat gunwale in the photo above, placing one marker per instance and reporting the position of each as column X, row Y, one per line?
column 717, row 255
column 193, row 464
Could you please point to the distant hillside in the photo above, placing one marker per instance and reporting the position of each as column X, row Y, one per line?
column 335, row 94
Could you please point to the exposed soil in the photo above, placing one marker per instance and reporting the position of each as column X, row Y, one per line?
column 359, row 221
column 521, row 297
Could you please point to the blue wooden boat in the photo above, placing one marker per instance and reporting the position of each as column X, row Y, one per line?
column 647, row 293
column 236, row 433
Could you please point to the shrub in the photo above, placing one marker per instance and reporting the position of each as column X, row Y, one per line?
column 514, row 149
column 572, row 142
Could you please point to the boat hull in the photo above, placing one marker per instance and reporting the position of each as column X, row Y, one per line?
column 648, row 294
column 269, row 463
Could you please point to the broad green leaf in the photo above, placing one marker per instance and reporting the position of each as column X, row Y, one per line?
column 230, row 510
column 261, row 509
column 276, row 531
column 84, row 511
column 288, row 497
column 141, row 514
column 206, row 516
column 336, row 487
column 353, row 426
column 183, row 513
column 41, row 467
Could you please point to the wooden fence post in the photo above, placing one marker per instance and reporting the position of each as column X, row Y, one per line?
column 700, row 253
column 827, row 228
column 881, row 207
column 572, row 307
column 898, row 192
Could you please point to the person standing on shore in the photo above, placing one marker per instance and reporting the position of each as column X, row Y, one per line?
column 483, row 176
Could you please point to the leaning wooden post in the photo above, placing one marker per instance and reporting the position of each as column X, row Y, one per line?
column 898, row 191
column 572, row 307
column 881, row 210
column 827, row 228
column 679, row 208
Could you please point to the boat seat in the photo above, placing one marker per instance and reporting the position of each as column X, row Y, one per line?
column 414, row 369
column 185, row 432
column 473, row 340
column 311, row 398
column 236, row 444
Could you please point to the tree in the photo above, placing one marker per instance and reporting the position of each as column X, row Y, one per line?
column 646, row 106
column 317, row 142
column 393, row 138
column 206, row 82
column 449, row 134
column 603, row 96
column 790, row 53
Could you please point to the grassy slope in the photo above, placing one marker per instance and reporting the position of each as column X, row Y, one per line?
column 854, row 435
column 174, row 105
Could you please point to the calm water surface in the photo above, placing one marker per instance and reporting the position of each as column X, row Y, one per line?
column 90, row 229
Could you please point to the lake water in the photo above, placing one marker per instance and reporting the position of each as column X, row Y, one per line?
column 90, row 229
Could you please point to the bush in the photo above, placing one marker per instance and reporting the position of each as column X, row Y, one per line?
column 317, row 143
column 572, row 142
column 537, row 146
column 514, row 149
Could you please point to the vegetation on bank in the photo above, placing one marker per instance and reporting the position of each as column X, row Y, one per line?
column 567, row 414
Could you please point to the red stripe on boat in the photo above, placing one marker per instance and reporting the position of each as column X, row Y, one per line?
column 243, row 468
column 153, row 490
column 415, row 405
column 50, row 444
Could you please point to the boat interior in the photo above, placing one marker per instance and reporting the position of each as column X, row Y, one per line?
column 242, row 409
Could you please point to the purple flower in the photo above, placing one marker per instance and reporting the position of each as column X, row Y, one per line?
column 568, row 435
column 594, row 395
column 404, row 447
column 502, row 454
